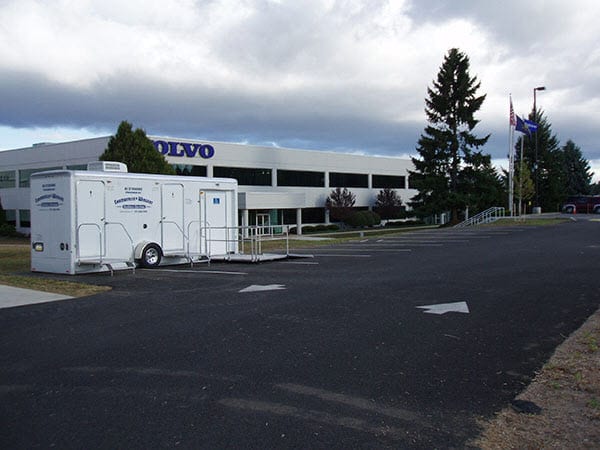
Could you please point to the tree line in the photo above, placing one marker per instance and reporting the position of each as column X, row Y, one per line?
column 453, row 174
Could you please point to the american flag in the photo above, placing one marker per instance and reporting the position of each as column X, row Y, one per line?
column 513, row 120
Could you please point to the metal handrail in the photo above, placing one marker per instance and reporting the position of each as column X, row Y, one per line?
column 99, row 239
column 489, row 215
column 185, row 238
column 126, row 234
column 102, row 257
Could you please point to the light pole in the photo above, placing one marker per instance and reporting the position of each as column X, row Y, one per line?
column 536, row 168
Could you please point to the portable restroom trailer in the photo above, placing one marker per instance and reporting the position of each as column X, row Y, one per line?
column 105, row 218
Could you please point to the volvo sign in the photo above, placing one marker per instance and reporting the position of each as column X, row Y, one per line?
column 184, row 149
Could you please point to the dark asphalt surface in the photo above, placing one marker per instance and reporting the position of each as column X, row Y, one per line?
column 340, row 357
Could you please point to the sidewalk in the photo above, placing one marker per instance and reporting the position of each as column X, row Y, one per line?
column 12, row 296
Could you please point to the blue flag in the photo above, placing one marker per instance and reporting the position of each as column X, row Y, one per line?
column 526, row 126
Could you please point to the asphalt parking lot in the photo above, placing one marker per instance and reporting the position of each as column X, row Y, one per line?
column 385, row 342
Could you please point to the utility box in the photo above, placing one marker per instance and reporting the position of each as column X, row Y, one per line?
column 98, row 220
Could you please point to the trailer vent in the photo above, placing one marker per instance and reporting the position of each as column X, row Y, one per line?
column 107, row 166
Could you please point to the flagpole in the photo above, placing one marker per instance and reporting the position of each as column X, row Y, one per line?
column 510, row 159
column 521, row 177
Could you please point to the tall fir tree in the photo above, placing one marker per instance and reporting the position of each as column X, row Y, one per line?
column 576, row 169
column 136, row 150
column 542, row 154
column 448, row 146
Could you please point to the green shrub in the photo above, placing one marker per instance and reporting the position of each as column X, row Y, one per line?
column 7, row 229
column 307, row 229
column 361, row 219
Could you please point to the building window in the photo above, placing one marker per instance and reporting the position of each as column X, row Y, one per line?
column 313, row 215
column 338, row 179
column 11, row 216
column 25, row 175
column 24, row 218
column 389, row 181
column 8, row 179
column 300, row 178
column 190, row 171
column 288, row 216
column 245, row 176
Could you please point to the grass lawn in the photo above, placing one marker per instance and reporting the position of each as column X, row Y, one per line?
column 15, row 271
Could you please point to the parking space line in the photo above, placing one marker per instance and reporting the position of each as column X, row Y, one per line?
column 217, row 272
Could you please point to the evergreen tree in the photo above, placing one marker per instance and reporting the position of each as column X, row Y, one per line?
column 448, row 145
column 388, row 204
column 576, row 169
column 547, row 174
column 481, row 184
column 340, row 203
column 136, row 150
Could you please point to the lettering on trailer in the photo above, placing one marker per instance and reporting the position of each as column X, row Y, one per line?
column 50, row 201
column 184, row 149
column 133, row 201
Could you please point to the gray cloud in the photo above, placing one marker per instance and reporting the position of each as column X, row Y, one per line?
column 337, row 75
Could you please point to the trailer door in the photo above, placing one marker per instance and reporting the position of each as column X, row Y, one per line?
column 173, row 233
column 90, row 219
column 216, row 221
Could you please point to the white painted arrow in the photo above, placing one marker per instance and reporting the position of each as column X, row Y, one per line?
column 263, row 287
column 443, row 308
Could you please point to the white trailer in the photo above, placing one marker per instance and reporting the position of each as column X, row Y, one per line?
column 105, row 218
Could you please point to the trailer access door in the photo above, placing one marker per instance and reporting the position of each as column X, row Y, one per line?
column 90, row 219
column 221, row 238
column 173, row 233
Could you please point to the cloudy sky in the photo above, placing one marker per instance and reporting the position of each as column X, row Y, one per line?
column 344, row 75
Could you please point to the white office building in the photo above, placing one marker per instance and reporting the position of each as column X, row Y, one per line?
column 276, row 186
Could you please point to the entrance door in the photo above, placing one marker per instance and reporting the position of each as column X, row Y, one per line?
column 173, row 234
column 90, row 219
column 263, row 224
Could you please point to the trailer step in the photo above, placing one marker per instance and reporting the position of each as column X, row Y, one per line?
column 110, row 264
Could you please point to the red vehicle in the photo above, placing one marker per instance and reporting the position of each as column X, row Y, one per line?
column 582, row 204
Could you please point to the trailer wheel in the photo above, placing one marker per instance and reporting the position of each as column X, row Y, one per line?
column 151, row 256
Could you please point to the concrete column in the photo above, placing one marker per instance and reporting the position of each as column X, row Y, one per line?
column 327, row 217
column 209, row 170
column 274, row 177
column 298, row 221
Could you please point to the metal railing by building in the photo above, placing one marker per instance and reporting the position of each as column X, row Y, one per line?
column 489, row 215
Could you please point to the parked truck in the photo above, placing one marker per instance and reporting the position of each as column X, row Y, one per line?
column 105, row 218
column 582, row 204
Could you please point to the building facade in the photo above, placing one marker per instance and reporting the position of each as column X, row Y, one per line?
column 276, row 186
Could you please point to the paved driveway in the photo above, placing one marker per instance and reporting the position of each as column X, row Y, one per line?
column 390, row 342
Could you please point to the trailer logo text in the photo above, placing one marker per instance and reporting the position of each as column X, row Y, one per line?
column 133, row 201
column 52, row 201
